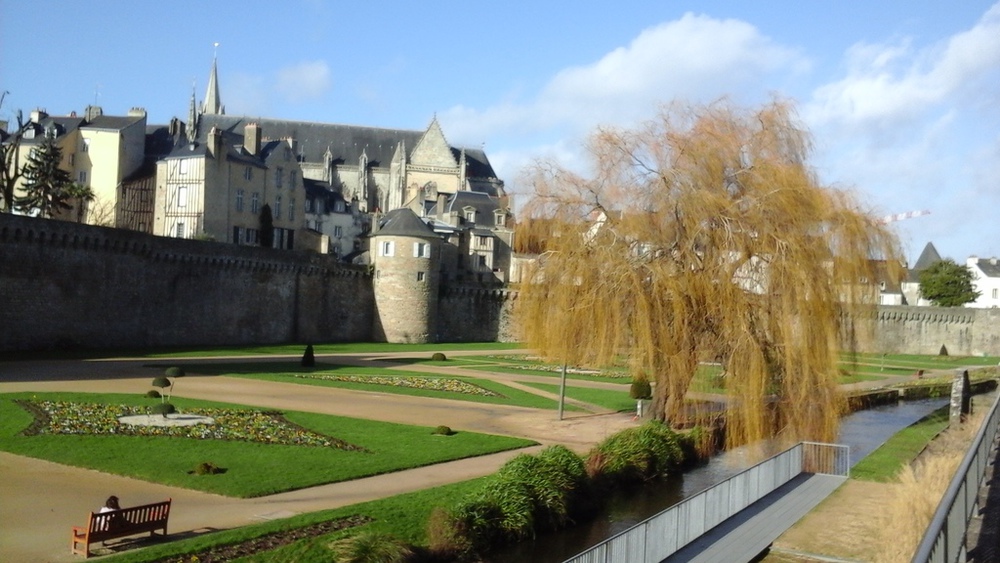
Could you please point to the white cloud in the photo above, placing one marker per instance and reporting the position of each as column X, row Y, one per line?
column 304, row 81
column 696, row 58
column 888, row 85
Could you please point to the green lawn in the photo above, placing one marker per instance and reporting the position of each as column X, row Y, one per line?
column 404, row 516
column 612, row 400
column 289, row 372
column 252, row 469
column 883, row 464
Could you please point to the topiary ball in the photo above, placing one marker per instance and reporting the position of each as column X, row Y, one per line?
column 153, row 394
column 640, row 389
column 164, row 409
column 438, row 357
column 443, row 431
column 174, row 372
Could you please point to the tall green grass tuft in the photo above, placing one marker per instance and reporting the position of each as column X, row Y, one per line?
column 636, row 454
column 370, row 547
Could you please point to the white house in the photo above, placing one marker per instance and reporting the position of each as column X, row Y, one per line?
column 985, row 280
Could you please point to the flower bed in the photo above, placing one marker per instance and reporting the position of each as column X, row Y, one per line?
column 58, row 417
column 429, row 383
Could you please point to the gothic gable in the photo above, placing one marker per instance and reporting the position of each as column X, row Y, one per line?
column 433, row 149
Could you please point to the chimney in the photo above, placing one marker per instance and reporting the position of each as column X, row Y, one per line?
column 215, row 142
column 137, row 112
column 38, row 115
column 92, row 113
column 993, row 261
column 251, row 138
column 442, row 200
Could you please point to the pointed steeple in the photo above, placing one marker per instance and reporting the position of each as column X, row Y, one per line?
column 192, row 124
column 213, row 101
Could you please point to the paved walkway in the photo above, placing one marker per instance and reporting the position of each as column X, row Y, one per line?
column 40, row 501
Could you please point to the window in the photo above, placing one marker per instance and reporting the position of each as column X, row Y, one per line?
column 996, row 293
column 237, row 234
column 278, row 173
column 239, row 201
column 338, row 207
column 291, row 179
column 387, row 248
column 277, row 207
column 86, row 145
column 470, row 214
column 180, row 230
column 309, row 205
column 483, row 241
column 248, row 173
column 81, row 177
column 182, row 196
column 421, row 250
column 255, row 203
column 182, row 166
column 291, row 209
column 420, row 276
column 500, row 218
column 338, row 231
column 250, row 236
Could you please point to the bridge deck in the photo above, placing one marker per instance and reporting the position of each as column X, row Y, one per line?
column 750, row 531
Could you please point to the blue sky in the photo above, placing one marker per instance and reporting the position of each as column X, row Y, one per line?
column 902, row 97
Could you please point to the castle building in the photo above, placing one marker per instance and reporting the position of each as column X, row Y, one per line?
column 326, row 185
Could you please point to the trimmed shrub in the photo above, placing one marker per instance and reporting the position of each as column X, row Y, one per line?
column 207, row 468
column 153, row 394
column 943, row 351
column 438, row 357
column 371, row 547
column 174, row 371
column 443, row 431
column 640, row 389
column 163, row 408
column 308, row 357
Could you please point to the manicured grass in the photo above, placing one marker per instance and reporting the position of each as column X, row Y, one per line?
column 883, row 464
column 266, row 350
column 285, row 372
column 404, row 516
column 609, row 399
column 252, row 469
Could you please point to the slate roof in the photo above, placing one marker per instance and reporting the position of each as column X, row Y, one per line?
column 114, row 122
column 64, row 125
column 346, row 142
column 989, row 266
column 403, row 222
column 484, row 204
column 928, row 258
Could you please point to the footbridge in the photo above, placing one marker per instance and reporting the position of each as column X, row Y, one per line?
column 736, row 519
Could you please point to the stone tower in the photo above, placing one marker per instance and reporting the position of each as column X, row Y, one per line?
column 406, row 254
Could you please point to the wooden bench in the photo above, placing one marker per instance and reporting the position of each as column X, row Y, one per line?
column 103, row 526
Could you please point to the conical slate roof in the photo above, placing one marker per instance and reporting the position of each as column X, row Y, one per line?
column 403, row 222
column 928, row 258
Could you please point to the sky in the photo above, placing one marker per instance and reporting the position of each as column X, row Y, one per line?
column 902, row 98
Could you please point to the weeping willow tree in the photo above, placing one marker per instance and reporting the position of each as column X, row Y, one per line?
column 704, row 236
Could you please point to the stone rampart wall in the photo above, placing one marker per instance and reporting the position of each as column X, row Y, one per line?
column 474, row 314
column 924, row 330
column 70, row 285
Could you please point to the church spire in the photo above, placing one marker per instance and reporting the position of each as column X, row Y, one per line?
column 192, row 124
column 213, row 102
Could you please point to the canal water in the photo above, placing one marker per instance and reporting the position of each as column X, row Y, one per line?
column 864, row 431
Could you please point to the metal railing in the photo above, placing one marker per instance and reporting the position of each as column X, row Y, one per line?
column 945, row 541
column 658, row 537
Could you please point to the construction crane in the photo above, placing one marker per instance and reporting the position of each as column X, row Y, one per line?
column 900, row 216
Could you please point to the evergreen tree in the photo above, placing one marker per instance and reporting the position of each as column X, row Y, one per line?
column 947, row 284
column 266, row 227
column 46, row 185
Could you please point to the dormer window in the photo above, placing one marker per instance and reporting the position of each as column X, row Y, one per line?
column 500, row 218
column 469, row 213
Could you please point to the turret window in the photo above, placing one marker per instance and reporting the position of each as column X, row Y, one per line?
column 421, row 250
column 387, row 248
column 420, row 276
